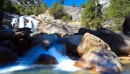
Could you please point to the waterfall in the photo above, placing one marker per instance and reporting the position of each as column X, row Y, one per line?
column 21, row 22
column 27, row 60
column 32, row 24
column 32, row 55
column 57, row 51
column 14, row 22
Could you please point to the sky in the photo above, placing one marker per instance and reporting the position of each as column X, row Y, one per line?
column 67, row 2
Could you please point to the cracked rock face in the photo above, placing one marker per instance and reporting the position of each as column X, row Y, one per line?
column 102, row 61
column 90, row 43
column 96, row 54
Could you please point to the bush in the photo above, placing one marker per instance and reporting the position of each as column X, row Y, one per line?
column 67, row 18
column 21, row 9
column 57, row 11
column 82, row 5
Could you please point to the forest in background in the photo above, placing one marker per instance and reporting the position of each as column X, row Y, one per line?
column 94, row 13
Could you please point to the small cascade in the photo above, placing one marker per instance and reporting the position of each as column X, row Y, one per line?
column 32, row 55
column 21, row 22
column 27, row 60
column 57, row 51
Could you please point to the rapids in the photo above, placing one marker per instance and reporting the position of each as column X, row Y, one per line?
column 57, row 51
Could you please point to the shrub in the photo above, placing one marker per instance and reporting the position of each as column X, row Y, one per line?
column 67, row 18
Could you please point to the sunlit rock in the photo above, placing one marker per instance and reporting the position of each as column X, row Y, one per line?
column 7, row 56
column 103, row 61
column 90, row 43
column 119, row 43
column 51, row 27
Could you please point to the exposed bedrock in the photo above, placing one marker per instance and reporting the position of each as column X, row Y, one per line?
column 95, row 53
column 119, row 43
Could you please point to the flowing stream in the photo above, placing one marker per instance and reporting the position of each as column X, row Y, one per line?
column 57, row 51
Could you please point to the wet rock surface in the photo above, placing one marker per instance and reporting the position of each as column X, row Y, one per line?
column 45, row 59
column 7, row 56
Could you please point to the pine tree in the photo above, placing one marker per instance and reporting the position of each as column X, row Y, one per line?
column 92, row 15
column 117, row 11
column 119, row 8
column 57, row 11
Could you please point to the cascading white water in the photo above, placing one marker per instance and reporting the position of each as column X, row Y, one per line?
column 32, row 24
column 27, row 60
column 32, row 55
column 14, row 21
column 57, row 51
column 21, row 22
column 64, row 62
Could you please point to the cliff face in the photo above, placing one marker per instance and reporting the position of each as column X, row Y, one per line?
column 75, row 12
column 26, row 2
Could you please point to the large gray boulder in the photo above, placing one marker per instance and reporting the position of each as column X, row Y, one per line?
column 104, row 62
column 7, row 56
column 51, row 27
column 118, row 42
column 91, row 43
column 96, row 54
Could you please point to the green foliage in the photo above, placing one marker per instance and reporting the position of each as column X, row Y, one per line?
column 82, row 5
column 57, row 11
column 35, row 9
column 117, row 11
column 88, row 13
column 39, row 9
column 6, row 5
column 92, row 15
column 21, row 9
column 67, row 18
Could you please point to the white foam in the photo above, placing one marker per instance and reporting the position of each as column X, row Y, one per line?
column 12, row 69
column 67, row 65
